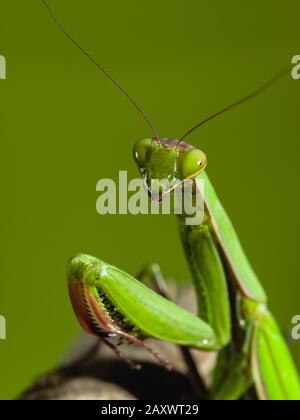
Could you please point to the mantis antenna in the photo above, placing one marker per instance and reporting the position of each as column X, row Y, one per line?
column 237, row 103
column 137, row 106
column 101, row 68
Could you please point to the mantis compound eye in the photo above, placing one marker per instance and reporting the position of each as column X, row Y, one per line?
column 142, row 151
column 192, row 163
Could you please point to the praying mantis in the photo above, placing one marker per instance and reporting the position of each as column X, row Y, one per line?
column 233, row 316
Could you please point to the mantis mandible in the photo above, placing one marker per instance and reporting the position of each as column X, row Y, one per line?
column 233, row 316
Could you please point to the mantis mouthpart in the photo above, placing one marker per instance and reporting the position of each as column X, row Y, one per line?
column 232, row 305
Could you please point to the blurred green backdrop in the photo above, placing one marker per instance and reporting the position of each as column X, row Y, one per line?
column 64, row 126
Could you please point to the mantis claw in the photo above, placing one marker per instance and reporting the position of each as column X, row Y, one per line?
column 133, row 340
column 121, row 355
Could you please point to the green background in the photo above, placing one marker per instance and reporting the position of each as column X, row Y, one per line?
column 64, row 126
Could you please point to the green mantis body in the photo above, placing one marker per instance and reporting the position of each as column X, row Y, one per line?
column 232, row 306
column 255, row 351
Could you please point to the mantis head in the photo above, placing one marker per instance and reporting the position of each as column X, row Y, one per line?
column 166, row 163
